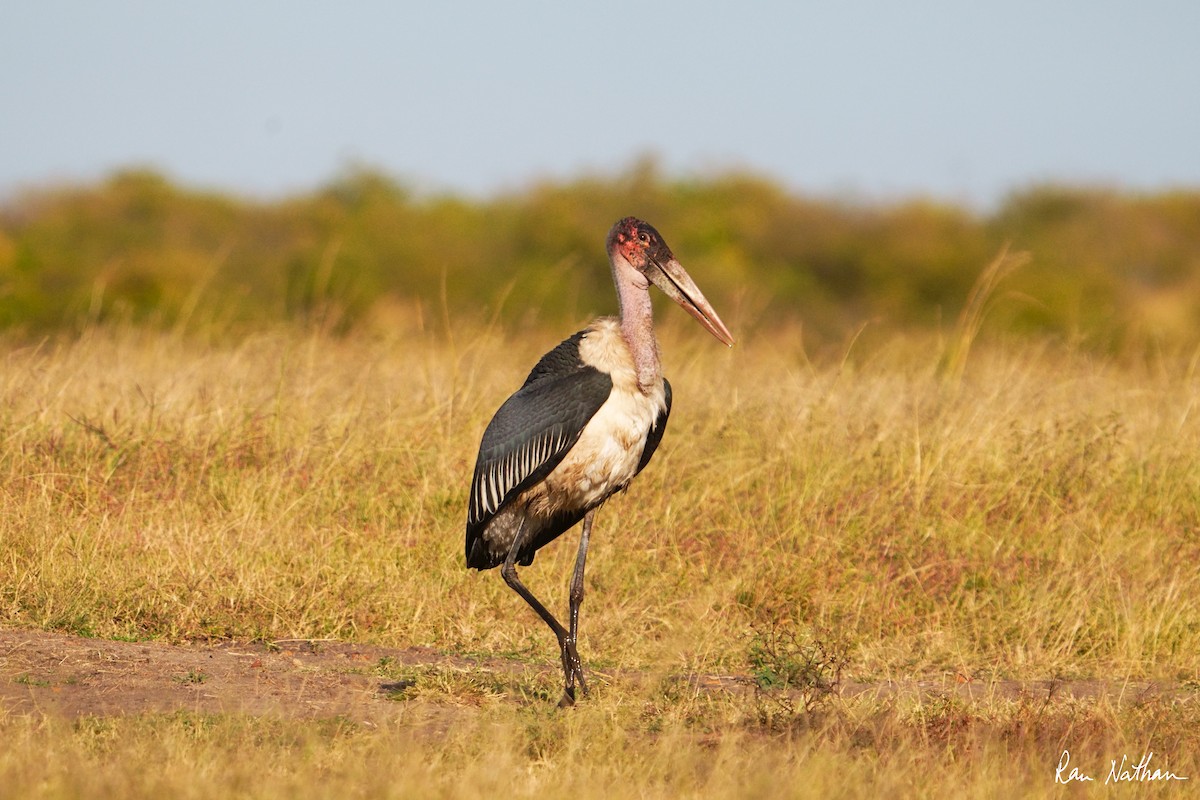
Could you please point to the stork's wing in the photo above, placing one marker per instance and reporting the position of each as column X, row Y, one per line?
column 656, row 431
column 533, row 431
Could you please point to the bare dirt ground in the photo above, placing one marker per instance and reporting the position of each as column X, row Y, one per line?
column 70, row 676
column 60, row 675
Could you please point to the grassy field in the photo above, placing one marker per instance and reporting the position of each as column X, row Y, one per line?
column 881, row 513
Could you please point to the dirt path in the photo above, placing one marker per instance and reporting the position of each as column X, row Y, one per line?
column 60, row 675
column 71, row 676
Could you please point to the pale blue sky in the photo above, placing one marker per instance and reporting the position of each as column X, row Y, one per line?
column 961, row 100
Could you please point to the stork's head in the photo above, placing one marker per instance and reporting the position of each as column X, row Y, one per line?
column 640, row 256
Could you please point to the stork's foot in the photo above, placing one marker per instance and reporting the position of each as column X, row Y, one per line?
column 568, row 698
column 572, row 672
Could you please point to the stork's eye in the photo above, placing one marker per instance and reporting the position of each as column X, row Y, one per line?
column 645, row 237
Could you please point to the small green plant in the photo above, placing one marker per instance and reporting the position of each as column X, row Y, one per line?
column 29, row 680
column 191, row 677
column 793, row 671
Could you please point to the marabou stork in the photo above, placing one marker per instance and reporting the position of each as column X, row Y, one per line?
column 585, row 422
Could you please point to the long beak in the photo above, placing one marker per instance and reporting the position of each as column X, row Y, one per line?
column 673, row 279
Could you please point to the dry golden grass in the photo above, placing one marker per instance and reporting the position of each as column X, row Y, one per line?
column 1036, row 518
column 673, row 746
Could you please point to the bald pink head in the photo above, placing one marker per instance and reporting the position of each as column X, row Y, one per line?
column 639, row 245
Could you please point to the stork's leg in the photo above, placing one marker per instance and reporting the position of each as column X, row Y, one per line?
column 575, row 669
column 570, row 658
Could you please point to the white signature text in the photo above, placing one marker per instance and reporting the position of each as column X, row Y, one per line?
column 1124, row 772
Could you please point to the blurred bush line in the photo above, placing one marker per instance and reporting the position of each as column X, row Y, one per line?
column 1106, row 267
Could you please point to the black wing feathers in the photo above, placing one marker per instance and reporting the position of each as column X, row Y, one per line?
column 559, row 362
column 656, row 431
column 533, row 430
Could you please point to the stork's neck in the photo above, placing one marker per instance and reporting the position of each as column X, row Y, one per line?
column 637, row 328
